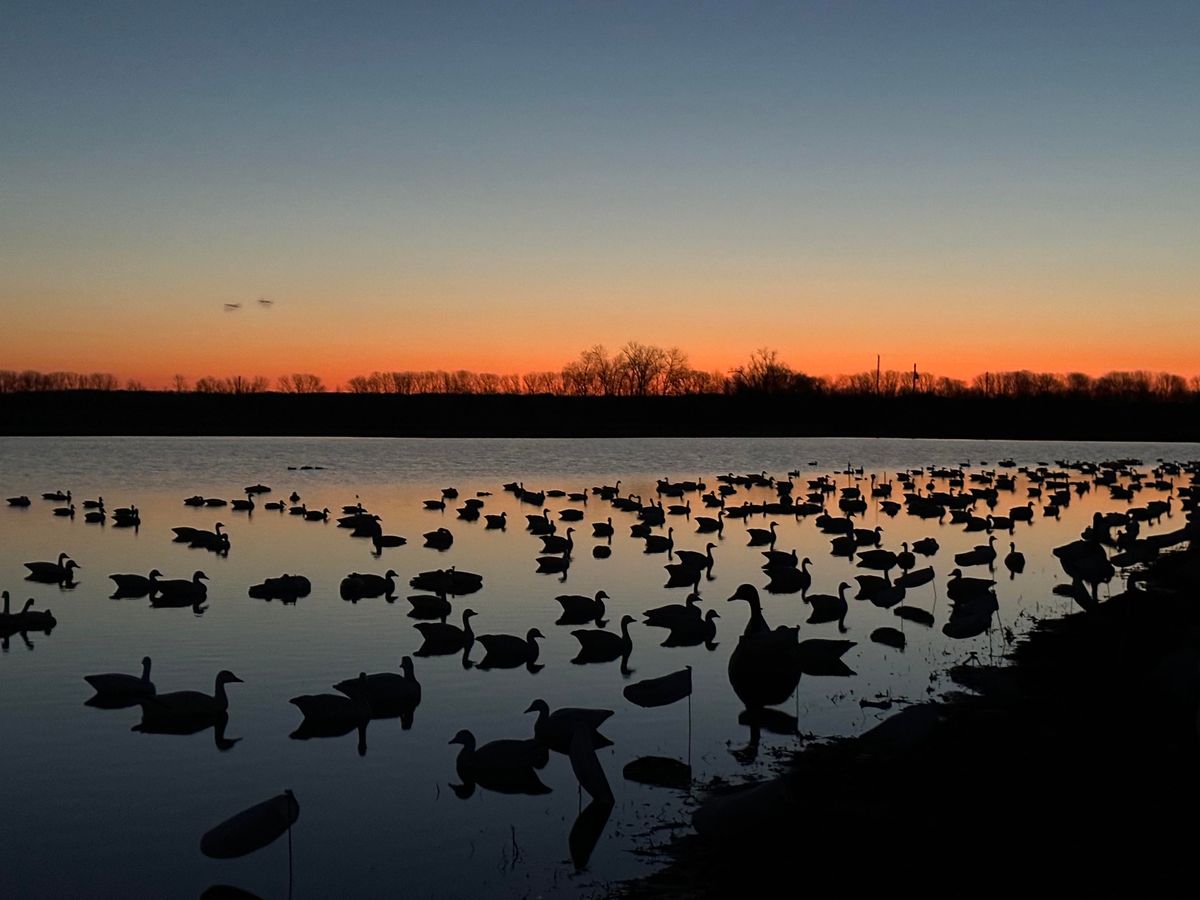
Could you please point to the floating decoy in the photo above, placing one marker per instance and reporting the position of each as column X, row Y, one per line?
column 30, row 619
column 358, row 585
column 889, row 637
column 552, row 543
column 828, row 608
column 441, row 539
column 497, row 522
column 194, row 500
column 879, row 560
column 762, row 536
column 429, row 606
column 981, row 555
column 442, row 639
column 21, row 501
column 287, row 588
column 790, row 580
column 555, row 729
column 925, row 546
column 58, row 496
column 435, row 504
column 278, row 505
column 697, row 560
column 672, row 614
column 300, row 510
column 136, row 585
column 597, row 645
column 507, row 651
column 452, row 581
column 252, row 828
column 191, row 704
column 385, row 691
column 579, row 610
column 52, row 573
column 960, row 588
column 1014, row 561
column 553, row 565
column 506, row 767
column 656, row 543
column 180, row 591
column 65, row 511
column 311, row 515
column 336, row 710
column 256, row 489
column 778, row 559
column 914, row 614
column 756, row 624
column 915, row 577
column 603, row 529
column 694, row 631
column 246, row 505
column 120, row 686
column 709, row 525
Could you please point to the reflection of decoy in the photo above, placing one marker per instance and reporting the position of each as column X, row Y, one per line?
column 136, row 585
column 120, row 686
column 441, row 639
column 507, row 766
column 554, row 729
column 581, row 751
column 821, row 656
column 585, row 832
column 52, row 573
column 597, row 645
column 507, row 651
column 578, row 609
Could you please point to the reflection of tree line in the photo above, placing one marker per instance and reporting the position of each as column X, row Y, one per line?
column 647, row 370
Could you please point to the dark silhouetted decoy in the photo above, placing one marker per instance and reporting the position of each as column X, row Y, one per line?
column 555, row 729
column 385, row 691
column 597, row 645
column 497, row 522
column 828, row 608
column 579, row 610
column 506, row 767
column 52, row 573
column 507, row 651
column 1014, row 561
column 674, row 613
column 120, row 686
column 191, row 704
column 441, row 639
column 183, row 591
column 19, row 502
column 136, row 585
column 442, row 539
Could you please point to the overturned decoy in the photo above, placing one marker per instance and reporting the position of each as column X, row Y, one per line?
column 252, row 828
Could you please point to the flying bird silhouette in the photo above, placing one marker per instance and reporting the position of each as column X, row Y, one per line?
column 232, row 307
column 265, row 303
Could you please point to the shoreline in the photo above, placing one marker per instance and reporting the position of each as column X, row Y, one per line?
column 96, row 413
column 1078, row 761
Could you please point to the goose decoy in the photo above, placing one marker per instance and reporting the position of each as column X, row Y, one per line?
column 496, row 522
column 286, row 588
column 435, row 504
column 914, row 614
column 656, row 543
column 694, row 631
column 194, row 500
column 757, row 624
column 698, row 560
column 926, row 546
column 358, row 585
column 828, row 608
column 215, row 502
column 552, row 543
column 136, row 585
column 191, row 704
column 452, row 581
column 311, row 515
column 506, row 767
column 96, row 516
column 789, row 580
column 276, row 505
column 762, row 536
column 579, row 610
column 553, row 565
column 598, row 645
column 115, row 685
column 385, row 692
column 441, row 639
column 507, row 651
column 30, row 619
column 981, row 555
column 960, row 588
column 879, row 560
column 889, row 637
column 19, row 502
column 778, row 559
column 554, row 730
column 709, row 525
column 334, row 710
column 429, row 606
column 65, row 511
column 127, row 517
column 181, row 591
column 58, row 496
column 674, row 613
column 246, row 505
column 905, row 559
column 442, row 539
column 603, row 529
column 1014, row 561
column 381, row 541
column 300, row 510
column 52, row 573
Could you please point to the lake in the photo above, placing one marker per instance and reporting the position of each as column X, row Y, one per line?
column 97, row 809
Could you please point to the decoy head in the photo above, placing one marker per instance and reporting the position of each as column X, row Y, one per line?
column 956, row 573
column 710, row 546
column 843, row 587
column 533, row 634
column 227, row 677
column 154, row 573
column 746, row 592
column 465, row 738
column 199, row 576
column 601, row 595
column 627, row 620
column 146, row 661
column 406, row 664
column 391, row 573
column 539, row 706
column 711, row 614
column 71, row 564
column 61, row 557
column 467, row 613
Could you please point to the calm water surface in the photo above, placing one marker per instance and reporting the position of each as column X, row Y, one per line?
column 94, row 809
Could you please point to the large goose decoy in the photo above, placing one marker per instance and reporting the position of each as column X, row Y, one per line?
column 673, row 613
column 507, row 651
column 429, row 606
column 790, row 580
column 762, row 536
column 116, row 685
column 333, row 711
column 553, row 543
column 696, row 559
column 756, row 624
column 28, row 619
column 656, row 543
column 181, row 591
column 52, row 573
column 1014, row 561
column 191, row 704
column 385, row 691
column 694, row 631
column 358, row 585
column 499, row 522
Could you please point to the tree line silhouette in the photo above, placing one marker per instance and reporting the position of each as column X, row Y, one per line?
column 647, row 370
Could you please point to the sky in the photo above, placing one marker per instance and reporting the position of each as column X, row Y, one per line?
column 496, row 186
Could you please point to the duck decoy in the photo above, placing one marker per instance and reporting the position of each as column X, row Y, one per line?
column 507, row 651
column 554, row 730
column 579, row 610
column 115, row 685
column 443, row 639
column 135, row 585
column 52, row 572
column 191, row 704
column 598, row 646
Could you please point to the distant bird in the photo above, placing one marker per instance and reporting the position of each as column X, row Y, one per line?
column 265, row 303
column 115, row 685
column 232, row 307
